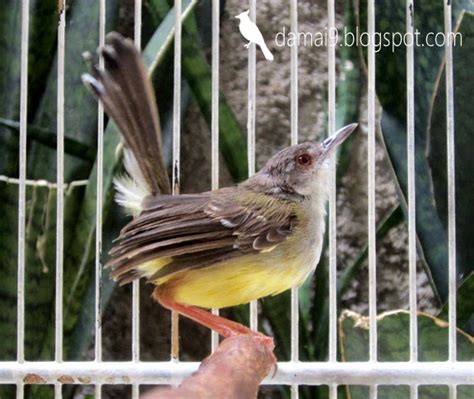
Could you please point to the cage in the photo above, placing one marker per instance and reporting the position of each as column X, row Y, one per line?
column 58, row 168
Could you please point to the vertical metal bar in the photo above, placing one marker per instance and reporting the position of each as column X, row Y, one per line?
column 25, row 17
column 176, row 146
column 177, row 97
column 20, row 391
column 453, row 391
column 252, row 83
column 136, row 283
column 450, row 149
column 137, row 24
column 135, row 391
column 60, row 194
column 137, row 38
column 99, row 208
column 60, row 188
column 410, row 64
column 372, row 391
column 99, row 202
column 294, row 74
column 25, row 5
column 451, row 180
column 215, row 121
column 215, row 95
column 371, row 189
column 294, row 140
column 332, row 354
column 98, row 391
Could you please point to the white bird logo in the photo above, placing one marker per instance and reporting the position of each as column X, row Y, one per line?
column 251, row 32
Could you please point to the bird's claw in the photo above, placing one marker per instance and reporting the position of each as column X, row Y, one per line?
column 246, row 45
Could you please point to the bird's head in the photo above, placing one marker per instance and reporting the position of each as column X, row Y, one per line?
column 301, row 169
column 243, row 15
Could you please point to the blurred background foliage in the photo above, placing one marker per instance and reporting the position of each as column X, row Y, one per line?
column 82, row 33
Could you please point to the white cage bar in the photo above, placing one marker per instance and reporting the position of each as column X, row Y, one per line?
column 332, row 350
column 99, row 212
column 137, row 38
column 294, row 140
column 251, row 115
column 450, row 150
column 409, row 11
column 288, row 373
column 25, row 5
column 176, row 177
column 215, row 122
column 58, row 338
column 371, row 192
column 293, row 373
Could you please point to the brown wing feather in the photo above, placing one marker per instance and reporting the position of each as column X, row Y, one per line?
column 196, row 231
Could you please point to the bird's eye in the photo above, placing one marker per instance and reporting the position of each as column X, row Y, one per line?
column 304, row 159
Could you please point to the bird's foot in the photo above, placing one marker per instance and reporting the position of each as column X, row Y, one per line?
column 246, row 45
column 224, row 327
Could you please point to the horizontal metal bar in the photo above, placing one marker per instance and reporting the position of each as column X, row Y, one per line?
column 303, row 373
column 42, row 182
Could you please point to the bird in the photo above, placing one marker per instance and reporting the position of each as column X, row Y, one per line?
column 218, row 248
column 250, row 31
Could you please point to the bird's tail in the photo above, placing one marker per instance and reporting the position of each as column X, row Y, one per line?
column 126, row 93
column 266, row 52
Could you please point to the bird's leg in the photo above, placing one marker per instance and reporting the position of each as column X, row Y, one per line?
column 246, row 45
column 222, row 326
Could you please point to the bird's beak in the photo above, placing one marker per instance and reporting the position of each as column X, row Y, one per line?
column 337, row 138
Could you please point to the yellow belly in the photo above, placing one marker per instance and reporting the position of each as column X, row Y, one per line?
column 236, row 281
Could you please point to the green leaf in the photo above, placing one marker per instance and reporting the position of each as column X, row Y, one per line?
column 464, row 303
column 163, row 37
column 276, row 310
column 393, row 345
column 48, row 138
column 40, row 263
column 348, row 91
column 82, row 31
column 43, row 23
column 320, row 310
column 42, row 49
column 463, row 60
column 391, row 91
column 9, row 82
